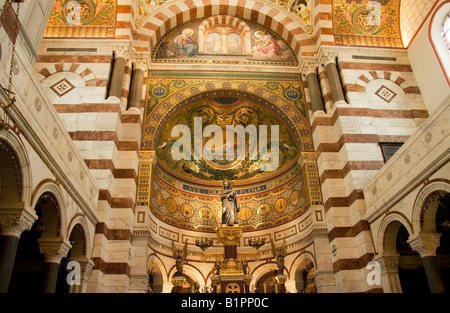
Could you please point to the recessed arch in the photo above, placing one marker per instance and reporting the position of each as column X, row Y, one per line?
column 79, row 225
column 13, row 146
column 170, row 15
column 154, row 258
column 53, row 195
column 190, row 270
column 426, row 204
column 299, row 261
column 82, row 70
column 387, row 232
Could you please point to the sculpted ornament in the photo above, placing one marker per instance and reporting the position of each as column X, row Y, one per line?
column 309, row 68
column 279, row 254
column 14, row 225
column 144, row 8
column 53, row 251
column 179, row 256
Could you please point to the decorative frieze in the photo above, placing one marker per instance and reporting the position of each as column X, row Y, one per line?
column 15, row 224
column 53, row 250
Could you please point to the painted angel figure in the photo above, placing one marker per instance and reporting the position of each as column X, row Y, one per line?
column 266, row 44
column 180, row 256
column 279, row 255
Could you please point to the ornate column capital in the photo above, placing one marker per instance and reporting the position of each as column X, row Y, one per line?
column 425, row 243
column 307, row 158
column 140, row 64
column 309, row 67
column 13, row 224
column 388, row 262
column 328, row 57
column 122, row 52
column 53, row 250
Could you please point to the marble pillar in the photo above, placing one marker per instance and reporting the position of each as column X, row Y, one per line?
column 137, row 82
column 426, row 244
column 12, row 226
column 53, row 251
column 390, row 280
column 118, row 72
column 309, row 70
column 334, row 81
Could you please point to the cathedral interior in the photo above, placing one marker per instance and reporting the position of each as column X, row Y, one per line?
column 225, row 146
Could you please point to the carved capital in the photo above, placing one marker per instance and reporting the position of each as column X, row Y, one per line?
column 140, row 64
column 388, row 262
column 122, row 52
column 14, row 224
column 328, row 57
column 53, row 250
column 307, row 158
column 309, row 67
column 425, row 243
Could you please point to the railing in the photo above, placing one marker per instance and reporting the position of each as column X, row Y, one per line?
column 427, row 150
column 36, row 118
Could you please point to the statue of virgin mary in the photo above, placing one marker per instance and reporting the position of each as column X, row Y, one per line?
column 230, row 205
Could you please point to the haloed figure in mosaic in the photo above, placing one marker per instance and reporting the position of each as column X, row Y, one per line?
column 230, row 205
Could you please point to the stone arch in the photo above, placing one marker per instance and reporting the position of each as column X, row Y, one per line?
column 13, row 146
column 157, row 260
column 79, row 224
column 364, row 79
column 387, row 233
column 304, row 261
column 261, row 270
column 161, row 271
column 299, row 260
column 426, row 204
column 272, row 16
column 293, row 118
column 191, row 271
column 86, row 73
column 53, row 194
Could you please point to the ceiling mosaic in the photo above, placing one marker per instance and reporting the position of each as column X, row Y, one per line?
column 82, row 19
column 367, row 23
column 226, row 164
column 170, row 92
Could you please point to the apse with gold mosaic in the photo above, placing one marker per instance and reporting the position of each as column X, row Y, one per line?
column 221, row 157
column 186, row 192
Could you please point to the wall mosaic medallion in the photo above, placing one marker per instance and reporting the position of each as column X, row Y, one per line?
column 82, row 19
column 367, row 23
